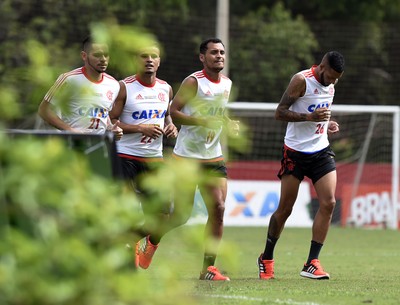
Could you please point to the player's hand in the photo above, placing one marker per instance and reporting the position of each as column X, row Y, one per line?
column 118, row 132
column 170, row 131
column 151, row 130
column 213, row 122
column 75, row 130
column 321, row 114
column 333, row 127
column 233, row 127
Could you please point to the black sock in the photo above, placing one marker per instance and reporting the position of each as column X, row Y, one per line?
column 154, row 239
column 315, row 248
column 269, row 248
column 209, row 260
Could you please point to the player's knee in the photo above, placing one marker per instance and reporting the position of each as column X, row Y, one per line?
column 328, row 206
column 283, row 212
column 220, row 209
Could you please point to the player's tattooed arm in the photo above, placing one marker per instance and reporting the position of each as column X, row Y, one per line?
column 295, row 89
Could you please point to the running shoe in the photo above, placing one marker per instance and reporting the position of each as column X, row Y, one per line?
column 265, row 268
column 144, row 252
column 213, row 274
column 314, row 270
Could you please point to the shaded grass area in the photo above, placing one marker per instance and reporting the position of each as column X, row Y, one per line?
column 364, row 266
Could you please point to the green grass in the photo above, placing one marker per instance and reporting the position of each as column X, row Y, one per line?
column 364, row 266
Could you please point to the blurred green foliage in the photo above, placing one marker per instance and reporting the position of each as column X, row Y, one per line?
column 64, row 229
column 125, row 43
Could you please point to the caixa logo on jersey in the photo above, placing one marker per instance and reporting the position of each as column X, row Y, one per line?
column 314, row 107
column 212, row 111
column 268, row 206
column 149, row 114
column 93, row 112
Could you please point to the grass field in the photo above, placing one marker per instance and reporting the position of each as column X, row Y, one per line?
column 364, row 266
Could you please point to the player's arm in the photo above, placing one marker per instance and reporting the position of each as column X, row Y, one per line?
column 296, row 89
column 47, row 110
column 170, row 130
column 118, row 104
column 47, row 113
column 187, row 93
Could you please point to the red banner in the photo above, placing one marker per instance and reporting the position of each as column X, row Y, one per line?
column 371, row 206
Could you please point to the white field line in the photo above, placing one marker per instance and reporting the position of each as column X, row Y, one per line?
column 241, row 297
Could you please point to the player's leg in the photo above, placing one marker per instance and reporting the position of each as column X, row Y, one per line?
column 289, row 190
column 131, row 169
column 214, row 195
column 160, row 218
column 149, row 232
column 182, row 206
column 155, row 212
column 325, row 188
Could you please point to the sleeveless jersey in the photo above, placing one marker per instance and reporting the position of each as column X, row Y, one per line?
column 144, row 105
column 87, row 103
column 211, row 99
column 310, row 137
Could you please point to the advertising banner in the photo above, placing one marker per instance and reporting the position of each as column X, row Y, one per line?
column 371, row 207
column 251, row 203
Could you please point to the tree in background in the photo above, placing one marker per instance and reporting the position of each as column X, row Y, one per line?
column 365, row 32
column 54, row 29
column 274, row 46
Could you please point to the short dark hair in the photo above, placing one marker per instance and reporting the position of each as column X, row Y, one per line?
column 203, row 45
column 335, row 61
column 86, row 43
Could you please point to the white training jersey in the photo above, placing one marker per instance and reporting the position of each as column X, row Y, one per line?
column 212, row 97
column 87, row 103
column 144, row 105
column 310, row 137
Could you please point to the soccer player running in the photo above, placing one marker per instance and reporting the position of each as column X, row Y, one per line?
column 199, row 107
column 305, row 105
column 90, row 93
column 142, row 107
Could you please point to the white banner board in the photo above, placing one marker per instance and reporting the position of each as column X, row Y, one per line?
column 251, row 203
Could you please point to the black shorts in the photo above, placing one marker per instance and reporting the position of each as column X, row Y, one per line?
column 215, row 169
column 134, row 169
column 314, row 165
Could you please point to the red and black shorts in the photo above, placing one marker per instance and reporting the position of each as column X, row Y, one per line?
column 311, row 165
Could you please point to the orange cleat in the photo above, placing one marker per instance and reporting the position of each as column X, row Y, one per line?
column 144, row 252
column 265, row 268
column 314, row 270
column 213, row 274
